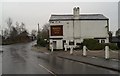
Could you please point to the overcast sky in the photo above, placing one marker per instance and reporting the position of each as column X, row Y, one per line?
column 32, row 13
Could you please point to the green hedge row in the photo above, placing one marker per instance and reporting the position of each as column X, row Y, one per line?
column 41, row 42
column 93, row 44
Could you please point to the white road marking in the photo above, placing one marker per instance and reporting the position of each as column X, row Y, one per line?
column 46, row 53
column 115, row 59
column 93, row 57
column 47, row 69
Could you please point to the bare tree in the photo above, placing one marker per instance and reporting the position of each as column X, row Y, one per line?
column 45, row 27
column 18, row 27
column 2, row 32
column 5, row 33
column 118, row 33
column 43, row 36
column 22, row 26
column 34, row 34
column 118, row 36
column 14, row 32
column 110, row 33
column 45, row 31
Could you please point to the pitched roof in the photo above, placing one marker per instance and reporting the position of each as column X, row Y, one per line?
column 82, row 17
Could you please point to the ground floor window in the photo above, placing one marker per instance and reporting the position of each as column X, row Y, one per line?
column 71, row 42
column 102, row 41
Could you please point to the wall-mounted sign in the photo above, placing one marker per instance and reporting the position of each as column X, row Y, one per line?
column 57, row 30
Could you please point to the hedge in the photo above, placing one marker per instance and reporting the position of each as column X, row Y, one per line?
column 93, row 44
column 41, row 42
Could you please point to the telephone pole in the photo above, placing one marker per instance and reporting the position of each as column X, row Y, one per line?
column 38, row 29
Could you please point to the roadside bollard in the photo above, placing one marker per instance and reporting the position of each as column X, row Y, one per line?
column 71, row 50
column 106, row 52
column 51, row 47
column 84, row 51
column 65, row 47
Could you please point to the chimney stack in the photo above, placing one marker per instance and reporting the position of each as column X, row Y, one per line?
column 76, row 14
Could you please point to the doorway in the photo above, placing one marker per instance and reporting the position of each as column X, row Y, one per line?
column 64, row 41
column 54, row 44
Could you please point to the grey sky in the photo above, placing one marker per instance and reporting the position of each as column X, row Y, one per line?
column 33, row 12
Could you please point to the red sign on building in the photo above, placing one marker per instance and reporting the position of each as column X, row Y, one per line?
column 57, row 30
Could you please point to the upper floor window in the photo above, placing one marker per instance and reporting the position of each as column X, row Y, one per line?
column 67, row 22
column 52, row 22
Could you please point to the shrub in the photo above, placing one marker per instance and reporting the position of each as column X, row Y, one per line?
column 118, row 44
column 113, row 46
column 93, row 44
column 41, row 42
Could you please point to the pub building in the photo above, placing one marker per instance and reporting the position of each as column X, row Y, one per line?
column 72, row 29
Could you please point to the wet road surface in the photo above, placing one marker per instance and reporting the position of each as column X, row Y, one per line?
column 0, row 63
column 20, row 59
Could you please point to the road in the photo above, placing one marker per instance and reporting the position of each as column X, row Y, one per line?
column 0, row 60
column 21, row 59
column 0, row 63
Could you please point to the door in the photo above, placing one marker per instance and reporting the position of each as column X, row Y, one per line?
column 54, row 44
column 64, row 41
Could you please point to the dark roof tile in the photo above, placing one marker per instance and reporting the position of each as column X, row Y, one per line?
column 82, row 17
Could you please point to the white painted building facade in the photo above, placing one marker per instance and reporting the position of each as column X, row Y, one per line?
column 76, row 28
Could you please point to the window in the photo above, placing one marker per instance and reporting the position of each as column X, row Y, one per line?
column 102, row 41
column 71, row 43
column 52, row 22
column 67, row 22
column 78, row 43
column 97, row 40
column 64, row 41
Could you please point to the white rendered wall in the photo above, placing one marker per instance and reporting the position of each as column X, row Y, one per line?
column 59, row 44
column 77, row 29
column 67, row 30
column 91, row 29
column 81, row 29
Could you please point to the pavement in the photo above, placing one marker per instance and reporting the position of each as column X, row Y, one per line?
column 112, row 64
column 99, row 62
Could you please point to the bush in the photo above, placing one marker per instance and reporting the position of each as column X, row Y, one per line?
column 41, row 42
column 113, row 46
column 118, row 44
column 93, row 44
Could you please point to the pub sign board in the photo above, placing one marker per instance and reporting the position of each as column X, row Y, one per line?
column 57, row 30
